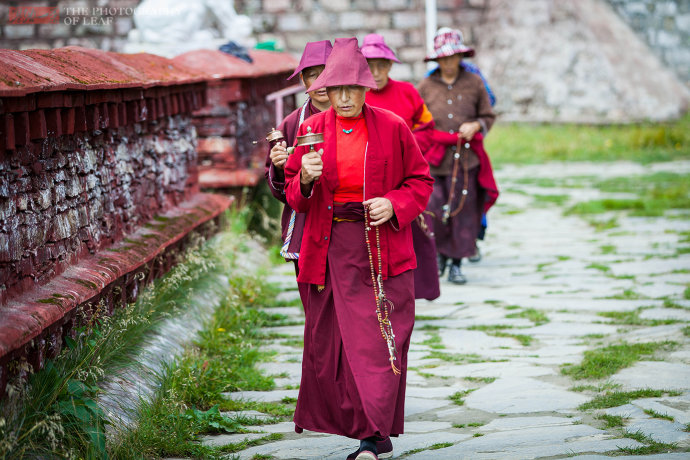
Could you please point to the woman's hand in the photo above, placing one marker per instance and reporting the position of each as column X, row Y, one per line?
column 279, row 154
column 468, row 129
column 380, row 210
column 312, row 167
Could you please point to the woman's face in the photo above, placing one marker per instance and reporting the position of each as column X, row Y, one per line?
column 379, row 69
column 309, row 75
column 347, row 101
column 449, row 65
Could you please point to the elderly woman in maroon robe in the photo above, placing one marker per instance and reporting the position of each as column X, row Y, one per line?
column 464, row 186
column 403, row 99
column 360, row 189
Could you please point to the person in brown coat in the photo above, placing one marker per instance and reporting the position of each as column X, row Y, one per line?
column 464, row 185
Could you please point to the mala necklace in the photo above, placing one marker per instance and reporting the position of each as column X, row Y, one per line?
column 384, row 306
column 348, row 131
column 456, row 163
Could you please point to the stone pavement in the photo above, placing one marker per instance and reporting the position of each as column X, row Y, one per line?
column 543, row 279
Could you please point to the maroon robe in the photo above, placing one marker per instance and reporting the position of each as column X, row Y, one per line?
column 348, row 386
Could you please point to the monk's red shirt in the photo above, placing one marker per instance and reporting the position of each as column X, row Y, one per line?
column 403, row 99
column 394, row 168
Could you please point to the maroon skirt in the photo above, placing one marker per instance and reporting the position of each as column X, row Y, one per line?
column 348, row 387
column 426, row 283
column 457, row 237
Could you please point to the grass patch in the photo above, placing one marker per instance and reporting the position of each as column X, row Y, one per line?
column 601, row 225
column 457, row 357
column 601, row 267
column 596, row 388
column 433, row 341
column 627, row 294
column 458, row 396
column 525, row 340
column 438, row 445
column 686, row 331
column 632, row 318
column 489, row 327
column 654, row 414
column 427, row 318
column 536, row 316
column 619, row 398
column 480, row 379
column 529, row 143
column 651, row 446
column 606, row 361
column 551, row 199
column 611, row 421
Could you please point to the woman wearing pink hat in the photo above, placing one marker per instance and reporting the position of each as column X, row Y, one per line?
column 310, row 67
column 403, row 99
column 464, row 186
column 360, row 190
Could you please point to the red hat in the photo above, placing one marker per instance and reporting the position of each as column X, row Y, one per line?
column 315, row 53
column 344, row 67
column 448, row 42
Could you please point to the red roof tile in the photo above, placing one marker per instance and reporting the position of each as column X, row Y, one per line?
column 73, row 67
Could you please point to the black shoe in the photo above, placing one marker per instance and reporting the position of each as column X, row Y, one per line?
column 383, row 447
column 442, row 262
column 476, row 257
column 454, row 275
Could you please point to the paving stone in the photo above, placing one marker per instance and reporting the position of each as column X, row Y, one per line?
column 426, row 427
column 223, row 439
column 517, row 423
column 419, row 405
column 522, row 395
column 501, row 369
column 248, row 413
column 664, row 456
column 294, row 370
column 666, row 313
column 658, row 375
column 569, row 329
column 305, row 447
column 282, row 427
column 471, row 341
column 433, row 392
column 529, row 443
column 659, row 430
column 265, row 396
column 675, row 406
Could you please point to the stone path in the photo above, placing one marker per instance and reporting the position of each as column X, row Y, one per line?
column 544, row 280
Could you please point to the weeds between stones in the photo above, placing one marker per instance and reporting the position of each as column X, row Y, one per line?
column 608, row 360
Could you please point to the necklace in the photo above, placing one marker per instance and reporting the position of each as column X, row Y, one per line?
column 383, row 305
column 348, row 131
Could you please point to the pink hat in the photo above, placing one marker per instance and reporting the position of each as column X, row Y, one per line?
column 345, row 66
column 315, row 53
column 374, row 47
column 448, row 42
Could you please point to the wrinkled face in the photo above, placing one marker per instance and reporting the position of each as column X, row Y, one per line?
column 308, row 76
column 347, row 101
column 449, row 65
column 379, row 69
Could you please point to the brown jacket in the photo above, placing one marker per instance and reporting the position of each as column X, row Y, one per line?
column 452, row 105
